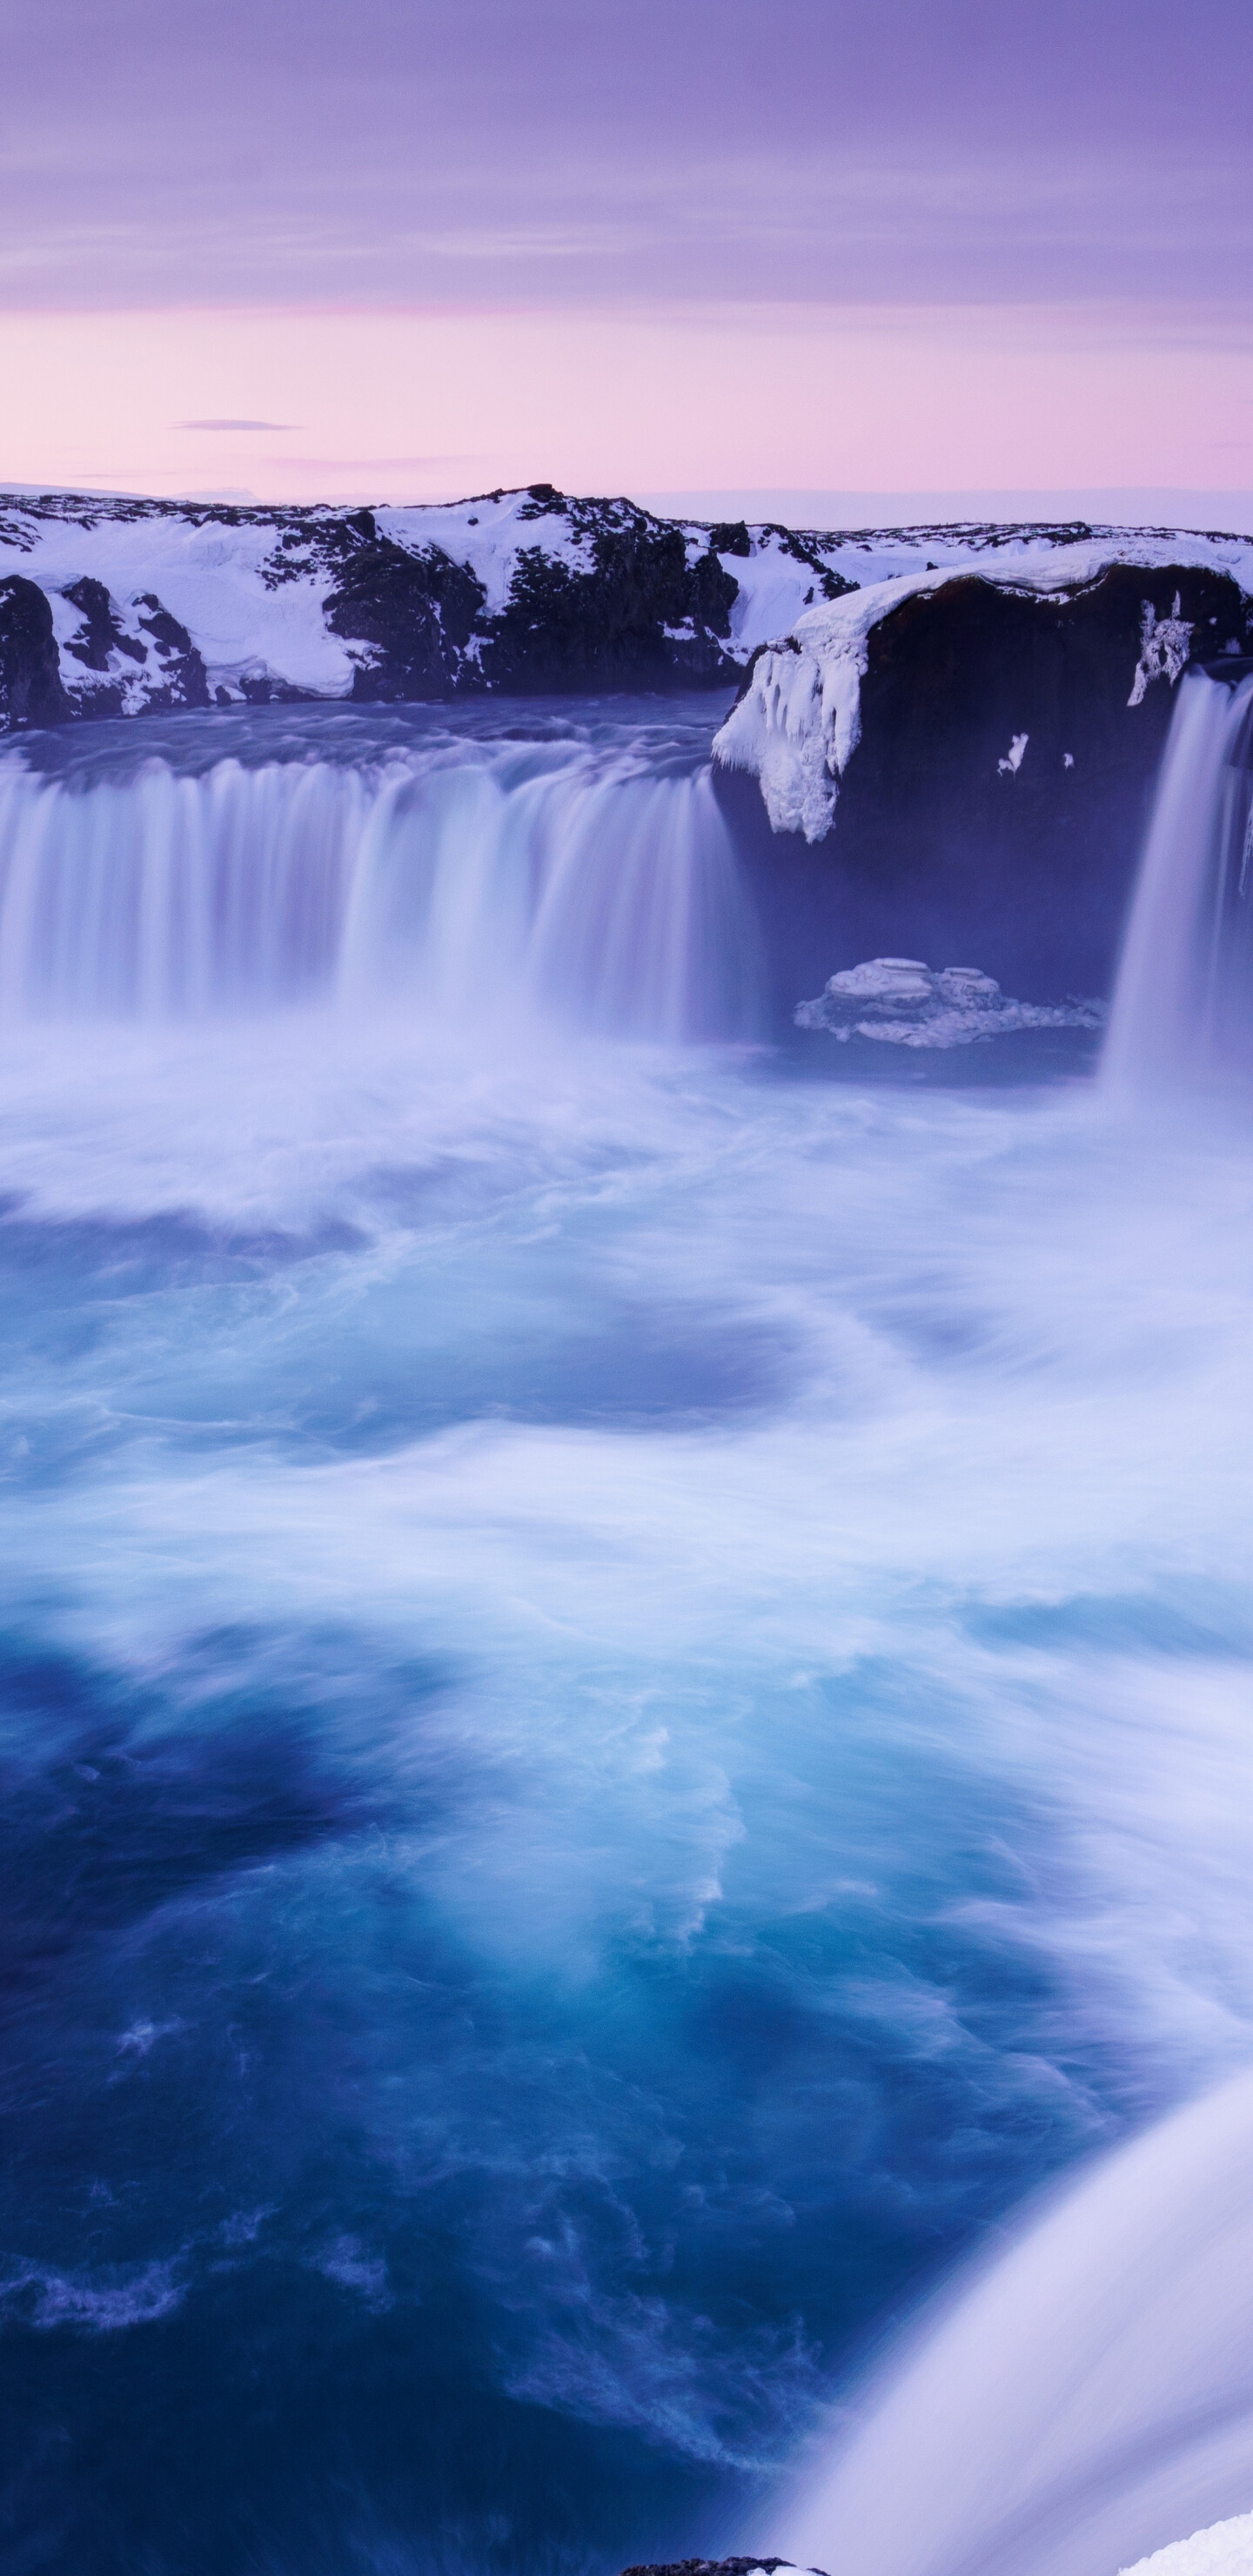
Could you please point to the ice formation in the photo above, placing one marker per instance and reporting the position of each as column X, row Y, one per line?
column 903, row 1002
column 1164, row 646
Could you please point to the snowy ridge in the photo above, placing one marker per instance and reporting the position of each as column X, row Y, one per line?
column 799, row 721
column 255, row 588
column 160, row 603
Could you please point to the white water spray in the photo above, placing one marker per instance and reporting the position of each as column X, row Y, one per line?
column 1085, row 2396
column 1183, row 1006
column 1088, row 2400
column 455, row 889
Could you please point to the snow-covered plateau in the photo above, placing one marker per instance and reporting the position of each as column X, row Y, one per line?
column 111, row 605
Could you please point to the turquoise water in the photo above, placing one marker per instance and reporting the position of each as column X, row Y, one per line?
column 626, row 1704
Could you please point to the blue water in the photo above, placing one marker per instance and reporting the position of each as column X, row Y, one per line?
column 626, row 1689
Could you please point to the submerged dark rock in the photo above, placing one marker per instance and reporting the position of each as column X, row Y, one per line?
column 715, row 2567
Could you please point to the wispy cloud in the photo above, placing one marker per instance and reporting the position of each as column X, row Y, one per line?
column 237, row 424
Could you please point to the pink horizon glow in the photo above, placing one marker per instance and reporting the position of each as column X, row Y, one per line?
column 422, row 405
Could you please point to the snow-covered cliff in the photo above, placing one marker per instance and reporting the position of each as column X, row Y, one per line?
column 992, row 730
column 799, row 721
column 116, row 606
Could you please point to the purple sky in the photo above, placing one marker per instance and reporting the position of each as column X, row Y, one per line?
column 493, row 158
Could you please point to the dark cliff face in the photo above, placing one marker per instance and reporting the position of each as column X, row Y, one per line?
column 607, row 597
column 994, row 809
column 182, row 681
column 101, row 665
column 415, row 612
column 637, row 618
column 634, row 616
column 30, row 670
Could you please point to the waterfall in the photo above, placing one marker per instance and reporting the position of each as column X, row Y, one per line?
column 456, row 888
column 1183, row 1004
column 1085, row 2399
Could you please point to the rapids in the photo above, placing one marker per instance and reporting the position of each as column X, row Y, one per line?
column 626, row 1703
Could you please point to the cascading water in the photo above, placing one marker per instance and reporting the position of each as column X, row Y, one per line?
column 458, row 881
column 619, row 1727
column 1183, row 1005
column 1087, row 2398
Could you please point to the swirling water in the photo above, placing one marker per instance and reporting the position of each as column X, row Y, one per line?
column 626, row 1667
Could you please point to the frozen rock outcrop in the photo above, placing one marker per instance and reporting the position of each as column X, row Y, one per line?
column 983, row 657
column 959, row 762
column 721, row 2567
column 901, row 1002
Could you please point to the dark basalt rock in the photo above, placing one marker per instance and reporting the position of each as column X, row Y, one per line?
column 100, row 634
column 712, row 593
column 942, row 848
column 416, row 611
column 157, row 650
column 731, row 537
column 183, row 682
column 635, row 619
column 30, row 672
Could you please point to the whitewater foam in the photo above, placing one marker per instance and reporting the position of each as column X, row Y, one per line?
column 457, row 879
column 626, row 1695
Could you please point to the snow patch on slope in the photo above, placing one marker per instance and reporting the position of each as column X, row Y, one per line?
column 488, row 536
